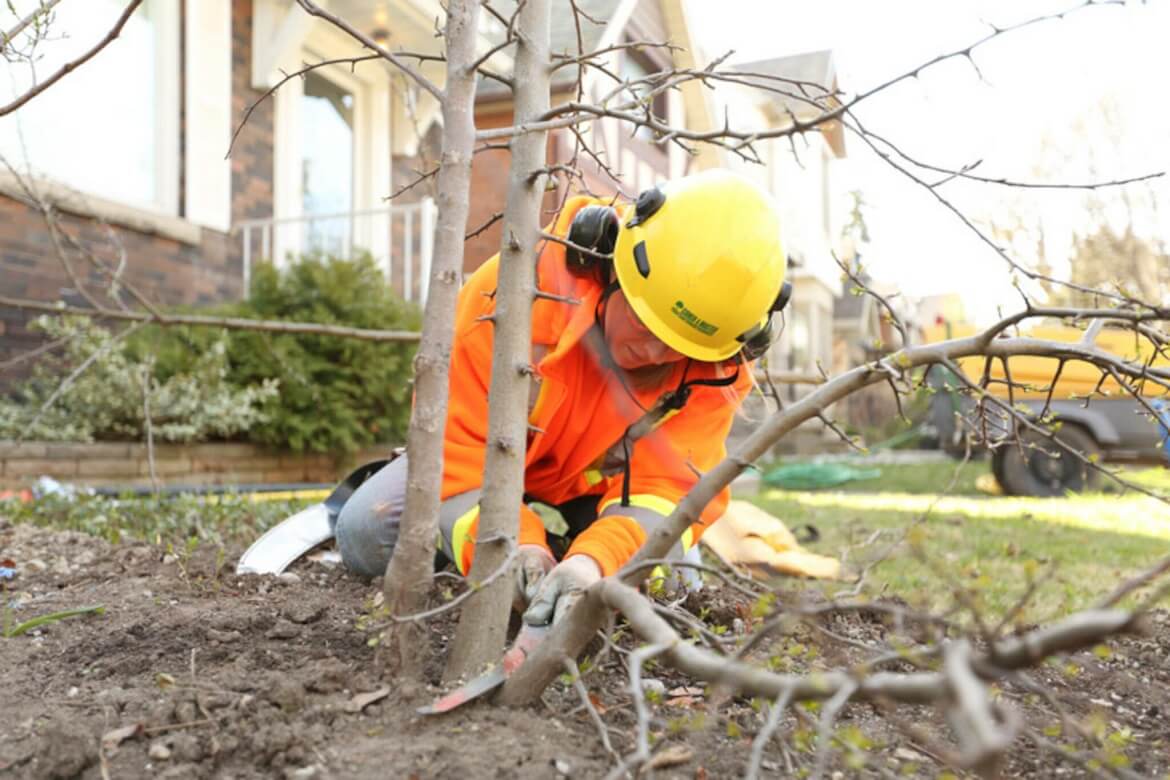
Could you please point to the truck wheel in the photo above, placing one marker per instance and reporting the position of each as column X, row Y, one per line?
column 998, row 456
column 1043, row 467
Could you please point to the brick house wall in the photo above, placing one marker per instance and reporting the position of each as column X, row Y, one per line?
column 489, row 189
column 252, row 155
column 164, row 269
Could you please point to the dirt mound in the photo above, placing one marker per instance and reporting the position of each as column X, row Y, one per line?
column 194, row 672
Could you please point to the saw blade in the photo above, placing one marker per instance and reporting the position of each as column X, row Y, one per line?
column 528, row 638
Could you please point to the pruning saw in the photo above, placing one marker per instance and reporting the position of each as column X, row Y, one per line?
column 525, row 642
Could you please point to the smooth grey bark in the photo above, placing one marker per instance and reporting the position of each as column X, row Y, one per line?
column 410, row 571
column 484, row 621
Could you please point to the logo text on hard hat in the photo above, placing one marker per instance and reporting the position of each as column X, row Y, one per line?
column 681, row 311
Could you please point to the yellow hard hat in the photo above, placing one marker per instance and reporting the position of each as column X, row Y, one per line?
column 701, row 262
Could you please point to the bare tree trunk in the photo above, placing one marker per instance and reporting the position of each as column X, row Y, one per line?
column 411, row 569
column 484, row 622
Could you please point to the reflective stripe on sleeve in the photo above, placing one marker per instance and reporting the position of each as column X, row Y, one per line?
column 649, row 511
column 642, row 501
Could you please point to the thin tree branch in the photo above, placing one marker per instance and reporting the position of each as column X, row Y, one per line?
column 231, row 323
column 73, row 65
column 43, row 8
column 413, row 73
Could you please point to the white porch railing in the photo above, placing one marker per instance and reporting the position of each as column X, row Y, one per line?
column 399, row 238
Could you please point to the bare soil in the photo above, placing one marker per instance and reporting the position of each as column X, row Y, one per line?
column 193, row 672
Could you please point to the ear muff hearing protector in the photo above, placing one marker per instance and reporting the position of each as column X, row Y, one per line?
column 593, row 233
column 594, row 228
column 757, row 341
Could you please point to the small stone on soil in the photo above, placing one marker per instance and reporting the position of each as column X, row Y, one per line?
column 159, row 751
column 187, row 747
column 305, row 613
column 287, row 694
column 283, row 630
column 223, row 636
column 906, row 754
column 652, row 685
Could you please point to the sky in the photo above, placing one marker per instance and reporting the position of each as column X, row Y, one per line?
column 1033, row 111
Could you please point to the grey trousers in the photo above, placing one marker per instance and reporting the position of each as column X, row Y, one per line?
column 367, row 526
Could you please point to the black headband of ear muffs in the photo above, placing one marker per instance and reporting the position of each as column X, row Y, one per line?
column 648, row 204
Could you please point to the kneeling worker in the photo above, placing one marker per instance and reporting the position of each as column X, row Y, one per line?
column 640, row 366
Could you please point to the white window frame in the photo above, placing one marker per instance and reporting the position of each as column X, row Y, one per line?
column 207, row 196
column 168, row 24
column 371, row 155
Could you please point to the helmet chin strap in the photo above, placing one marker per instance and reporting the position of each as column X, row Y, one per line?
column 607, row 357
column 671, row 400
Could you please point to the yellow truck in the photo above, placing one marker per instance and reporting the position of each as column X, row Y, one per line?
column 1100, row 420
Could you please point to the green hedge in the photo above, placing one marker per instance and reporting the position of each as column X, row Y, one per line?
column 306, row 393
column 95, row 387
column 336, row 394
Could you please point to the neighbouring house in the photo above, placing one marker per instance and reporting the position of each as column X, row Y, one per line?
column 799, row 172
column 631, row 161
column 863, row 331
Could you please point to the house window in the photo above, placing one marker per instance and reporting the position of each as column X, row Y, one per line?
column 111, row 128
column 327, row 180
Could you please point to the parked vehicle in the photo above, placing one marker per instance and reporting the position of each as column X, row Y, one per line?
column 1091, row 421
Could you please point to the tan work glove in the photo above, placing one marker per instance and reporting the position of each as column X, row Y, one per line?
column 535, row 562
column 561, row 589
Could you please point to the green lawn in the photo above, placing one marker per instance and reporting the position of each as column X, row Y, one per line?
column 1078, row 548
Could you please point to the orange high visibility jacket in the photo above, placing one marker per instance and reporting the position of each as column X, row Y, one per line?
column 581, row 411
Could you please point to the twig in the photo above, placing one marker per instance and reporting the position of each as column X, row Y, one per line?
column 602, row 730
column 73, row 65
column 829, row 714
column 642, row 752
column 313, row 9
column 1130, row 585
column 234, row 323
column 287, row 77
column 43, row 8
column 503, row 568
column 178, row 726
column 146, row 390
column 493, row 219
column 765, row 736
